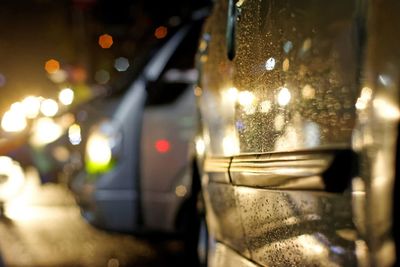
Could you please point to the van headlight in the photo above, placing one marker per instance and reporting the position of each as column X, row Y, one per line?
column 102, row 148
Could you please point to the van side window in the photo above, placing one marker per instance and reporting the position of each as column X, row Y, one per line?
column 178, row 74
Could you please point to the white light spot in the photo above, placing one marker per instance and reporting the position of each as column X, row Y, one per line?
column 74, row 134
column 66, row 96
column 386, row 109
column 49, row 107
column 284, row 96
column 246, row 98
column 31, row 106
column 270, row 64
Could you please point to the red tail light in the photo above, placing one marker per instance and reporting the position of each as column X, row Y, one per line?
column 162, row 146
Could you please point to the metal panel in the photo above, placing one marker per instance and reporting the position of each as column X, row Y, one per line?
column 292, row 228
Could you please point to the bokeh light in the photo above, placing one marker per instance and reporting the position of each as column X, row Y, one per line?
column 105, row 41
column 45, row 131
column 52, row 66
column 121, row 64
column 284, row 96
column 13, row 121
column 161, row 32
column 49, row 107
column 74, row 134
column 66, row 96
column 31, row 106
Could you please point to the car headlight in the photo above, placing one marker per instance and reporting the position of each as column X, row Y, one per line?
column 101, row 148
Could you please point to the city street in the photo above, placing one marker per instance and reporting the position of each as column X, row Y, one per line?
column 43, row 227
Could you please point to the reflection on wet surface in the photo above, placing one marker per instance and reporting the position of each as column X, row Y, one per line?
column 287, row 80
column 44, row 228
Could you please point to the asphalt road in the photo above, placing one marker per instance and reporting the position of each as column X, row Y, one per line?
column 43, row 227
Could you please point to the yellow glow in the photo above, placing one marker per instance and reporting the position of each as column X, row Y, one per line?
column 17, row 107
column 246, row 98
column 308, row 92
column 66, row 96
column 200, row 146
column 364, row 99
column 284, row 96
column 286, row 64
column 230, row 144
column 45, row 131
column 49, row 107
column 98, row 149
column 12, row 178
column 13, row 121
column 231, row 94
column 181, row 191
column 74, row 134
column 311, row 245
column 386, row 109
column 31, row 106
column 265, row 106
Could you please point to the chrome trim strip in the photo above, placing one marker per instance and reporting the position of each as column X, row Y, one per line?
column 299, row 170
column 217, row 164
column 282, row 170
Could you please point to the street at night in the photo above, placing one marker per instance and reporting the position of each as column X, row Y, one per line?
column 44, row 228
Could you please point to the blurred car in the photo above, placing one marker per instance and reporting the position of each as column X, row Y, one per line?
column 298, row 142
column 137, row 160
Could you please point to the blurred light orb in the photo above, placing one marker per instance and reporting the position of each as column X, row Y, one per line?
column 45, row 131
column 181, row 191
column 13, row 121
column 284, row 97
column 246, row 98
column 121, row 64
column 66, row 96
column 270, row 63
column 74, row 134
column 49, row 107
column 58, row 76
column 12, row 178
column 161, row 32
column 98, row 149
column 105, row 41
column 102, row 76
column 52, row 66
column 31, row 106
